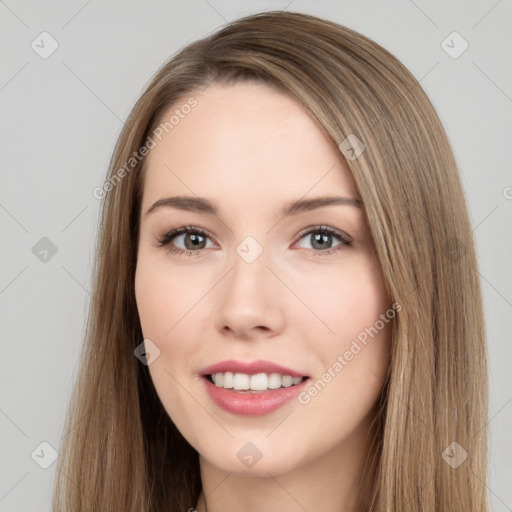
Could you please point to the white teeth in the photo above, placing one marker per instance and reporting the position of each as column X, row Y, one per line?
column 287, row 381
column 256, row 382
column 241, row 381
column 274, row 381
column 226, row 382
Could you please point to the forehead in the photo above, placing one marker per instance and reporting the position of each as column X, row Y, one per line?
column 244, row 142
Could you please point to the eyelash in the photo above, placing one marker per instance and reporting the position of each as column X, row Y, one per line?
column 166, row 240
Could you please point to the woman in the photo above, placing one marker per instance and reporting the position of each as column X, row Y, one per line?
column 287, row 308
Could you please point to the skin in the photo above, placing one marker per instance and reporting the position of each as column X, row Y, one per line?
column 251, row 149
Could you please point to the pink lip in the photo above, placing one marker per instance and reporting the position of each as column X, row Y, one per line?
column 251, row 404
column 247, row 404
column 250, row 368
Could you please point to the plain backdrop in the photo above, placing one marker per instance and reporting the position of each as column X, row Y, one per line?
column 62, row 112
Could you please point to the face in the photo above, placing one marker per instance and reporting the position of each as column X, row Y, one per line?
column 251, row 284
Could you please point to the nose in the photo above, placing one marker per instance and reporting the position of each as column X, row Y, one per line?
column 250, row 302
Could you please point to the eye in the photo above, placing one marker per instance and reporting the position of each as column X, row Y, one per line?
column 193, row 238
column 320, row 238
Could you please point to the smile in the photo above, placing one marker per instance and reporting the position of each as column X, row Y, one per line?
column 249, row 402
column 253, row 383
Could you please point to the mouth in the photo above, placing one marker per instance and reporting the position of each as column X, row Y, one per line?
column 254, row 394
column 253, row 383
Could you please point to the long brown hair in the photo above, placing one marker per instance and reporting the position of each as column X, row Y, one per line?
column 120, row 450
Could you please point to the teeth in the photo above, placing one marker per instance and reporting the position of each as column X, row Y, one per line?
column 256, row 382
column 241, row 381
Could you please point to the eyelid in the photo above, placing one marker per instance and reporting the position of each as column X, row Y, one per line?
column 322, row 227
column 173, row 233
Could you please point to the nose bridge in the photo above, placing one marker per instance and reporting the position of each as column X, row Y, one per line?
column 248, row 298
column 250, row 250
column 249, row 265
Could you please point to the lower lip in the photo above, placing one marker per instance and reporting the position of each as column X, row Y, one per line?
column 248, row 404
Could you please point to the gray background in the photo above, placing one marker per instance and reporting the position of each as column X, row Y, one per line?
column 60, row 119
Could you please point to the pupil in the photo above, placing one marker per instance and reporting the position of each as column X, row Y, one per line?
column 194, row 241
column 319, row 237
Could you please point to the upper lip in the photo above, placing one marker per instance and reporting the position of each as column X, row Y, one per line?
column 250, row 368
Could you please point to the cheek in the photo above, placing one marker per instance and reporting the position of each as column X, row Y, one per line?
column 356, row 354
column 164, row 297
column 170, row 304
column 165, row 301
column 346, row 299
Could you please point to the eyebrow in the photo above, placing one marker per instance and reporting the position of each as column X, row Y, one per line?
column 202, row 205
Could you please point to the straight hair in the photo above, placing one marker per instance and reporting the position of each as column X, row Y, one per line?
column 121, row 451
